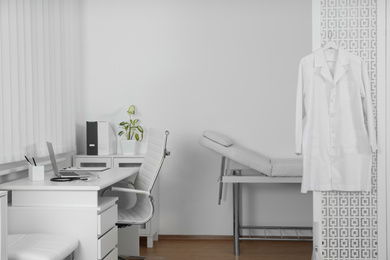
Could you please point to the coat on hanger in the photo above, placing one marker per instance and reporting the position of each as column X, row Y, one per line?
column 335, row 129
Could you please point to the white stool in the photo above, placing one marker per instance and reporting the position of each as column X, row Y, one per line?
column 40, row 246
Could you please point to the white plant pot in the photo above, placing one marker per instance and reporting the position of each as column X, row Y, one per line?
column 129, row 147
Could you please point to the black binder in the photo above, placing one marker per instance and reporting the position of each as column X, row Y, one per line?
column 92, row 138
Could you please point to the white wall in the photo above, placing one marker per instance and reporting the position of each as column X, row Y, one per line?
column 188, row 66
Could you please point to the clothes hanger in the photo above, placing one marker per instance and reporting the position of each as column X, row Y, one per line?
column 330, row 44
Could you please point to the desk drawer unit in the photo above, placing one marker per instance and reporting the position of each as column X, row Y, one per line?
column 107, row 243
column 107, row 232
column 127, row 161
column 107, row 219
column 92, row 161
column 113, row 255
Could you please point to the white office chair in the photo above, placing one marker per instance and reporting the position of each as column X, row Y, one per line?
column 41, row 247
column 142, row 211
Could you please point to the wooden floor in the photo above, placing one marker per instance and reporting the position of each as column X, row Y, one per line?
column 182, row 248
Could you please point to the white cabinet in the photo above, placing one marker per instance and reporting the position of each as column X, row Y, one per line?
column 93, row 226
column 107, row 243
column 106, row 229
column 92, row 161
column 107, row 219
column 127, row 161
column 113, row 255
column 150, row 229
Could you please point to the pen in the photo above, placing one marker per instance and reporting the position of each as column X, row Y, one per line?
column 27, row 160
column 34, row 161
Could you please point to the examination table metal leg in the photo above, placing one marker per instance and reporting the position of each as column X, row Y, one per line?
column 236, row 215
column 223, row 165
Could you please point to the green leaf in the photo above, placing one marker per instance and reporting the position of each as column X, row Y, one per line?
column 131, row 110
column 131, row 129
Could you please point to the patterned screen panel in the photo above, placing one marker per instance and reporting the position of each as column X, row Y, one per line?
column 349, row 219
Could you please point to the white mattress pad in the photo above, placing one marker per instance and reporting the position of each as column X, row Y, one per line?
column 272, row 167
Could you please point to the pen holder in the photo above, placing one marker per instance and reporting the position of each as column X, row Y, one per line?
column 36, row 173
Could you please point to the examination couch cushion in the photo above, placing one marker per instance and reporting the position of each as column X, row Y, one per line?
column 218, row 138
column 287, row 167
column 277, row 167
column 237, row 153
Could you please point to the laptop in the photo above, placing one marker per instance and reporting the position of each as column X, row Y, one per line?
column 64, row 173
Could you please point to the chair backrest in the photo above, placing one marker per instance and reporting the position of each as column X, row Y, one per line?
column 153, row 160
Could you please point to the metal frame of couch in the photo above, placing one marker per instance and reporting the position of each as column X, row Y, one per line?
column 252, row 170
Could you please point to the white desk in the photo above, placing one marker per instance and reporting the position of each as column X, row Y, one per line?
column 69, row 208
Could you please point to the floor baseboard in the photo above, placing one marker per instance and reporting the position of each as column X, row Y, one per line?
column 209, row 237
column 192, row 237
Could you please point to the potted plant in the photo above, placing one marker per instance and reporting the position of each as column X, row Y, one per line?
column 132, row 131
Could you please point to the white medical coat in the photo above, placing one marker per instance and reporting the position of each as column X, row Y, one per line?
column 335, row 129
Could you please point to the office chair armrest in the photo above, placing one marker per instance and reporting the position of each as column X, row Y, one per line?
column 131, row 191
